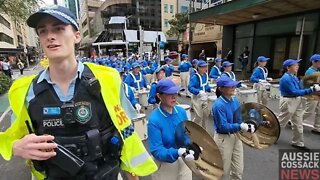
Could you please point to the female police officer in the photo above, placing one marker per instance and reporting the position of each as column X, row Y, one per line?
column 162, row 125
column 290, row 101
column 73, row 106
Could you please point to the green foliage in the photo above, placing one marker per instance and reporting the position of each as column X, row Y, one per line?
column 178, row 25
column 5, row 83
column 18, row 10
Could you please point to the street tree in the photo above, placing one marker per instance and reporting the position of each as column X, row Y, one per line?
column 178, row 26
column 18, row 10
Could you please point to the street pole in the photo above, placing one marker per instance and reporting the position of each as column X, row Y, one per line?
column 301, row 37
column 190, row 32
column 127, row 45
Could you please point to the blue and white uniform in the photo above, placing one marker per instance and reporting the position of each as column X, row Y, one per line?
column 215, row 72
column 184, row 68
column 136, row 81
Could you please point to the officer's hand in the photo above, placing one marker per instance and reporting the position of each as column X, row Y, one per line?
column 247, row 127
column 35, row 147
column 316, row 88
column 138, row 107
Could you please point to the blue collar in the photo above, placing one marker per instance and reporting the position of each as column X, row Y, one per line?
column 226, row 100
column 46, row 76
column 165, row 113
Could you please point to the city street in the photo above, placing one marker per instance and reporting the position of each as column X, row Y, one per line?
column 258, row 164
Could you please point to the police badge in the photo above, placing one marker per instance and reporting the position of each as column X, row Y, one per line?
column 83, row 112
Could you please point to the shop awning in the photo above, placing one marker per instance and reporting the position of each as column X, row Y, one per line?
column 11, row 50
column 236, row 12
column 131, row 35
column 109, row 43
column 117, row 20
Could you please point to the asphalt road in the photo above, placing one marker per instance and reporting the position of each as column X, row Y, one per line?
column 258, row 164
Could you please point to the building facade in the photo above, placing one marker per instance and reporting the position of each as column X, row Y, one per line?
column 270, row 28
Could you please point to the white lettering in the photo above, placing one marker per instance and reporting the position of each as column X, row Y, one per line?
column 47, row 123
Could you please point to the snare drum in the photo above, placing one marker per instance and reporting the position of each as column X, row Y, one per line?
column 140, row 126
column 187, row 108
column 275, row 91
column 143, row 97
column 249, row 95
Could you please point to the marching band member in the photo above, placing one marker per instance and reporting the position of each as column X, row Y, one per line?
column 227, row 70
column 159, row 74
column 311, row 105
column 194, row 68
column 199, row 87
column 216, row 71
column 260, row 78
column 168, row 67
column 129, row 93
column 135, row 79
column 162, row 125
column 226, row 124
column 149, row 72
column 290, row 101
column 184, row 68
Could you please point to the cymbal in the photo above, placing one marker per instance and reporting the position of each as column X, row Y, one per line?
column 209, row 165
column 266, row 122
column 309, row 81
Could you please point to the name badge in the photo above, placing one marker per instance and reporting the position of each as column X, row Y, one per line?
column 51, row 111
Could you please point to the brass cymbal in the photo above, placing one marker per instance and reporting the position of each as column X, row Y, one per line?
column 209, row 165
column 268, row 127
column 309, row 81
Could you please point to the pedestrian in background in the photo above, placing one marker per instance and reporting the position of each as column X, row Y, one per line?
column 6, row 67
column 20, row 66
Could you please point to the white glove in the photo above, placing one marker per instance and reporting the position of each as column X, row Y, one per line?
column 247, row 127
column 188, row 155
column 202, row 93
column 138, row 107
column 133, row 89
column 269, row 79
column 244, row 86
column 262, row 81
column 316, row 88
column 148, row 87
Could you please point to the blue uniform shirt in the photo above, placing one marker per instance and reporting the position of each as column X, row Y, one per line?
column 215, row 72
column 311, row 70
column 184, row 66
column 133, row 80
column 195, row 83
column 161, row 133
column 225, row 119
column 130, row 94
column 168, row 69
column 152, row 93
column 259, row 73
column 290, row 86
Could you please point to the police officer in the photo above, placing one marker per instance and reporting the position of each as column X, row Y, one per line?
column 199, row 87
column 311, row 105
column 216, row 70
column 162, row 124
column 290, row 101
column 70, row 121
column 184, row 68
column 226, row 124
column 260, row 78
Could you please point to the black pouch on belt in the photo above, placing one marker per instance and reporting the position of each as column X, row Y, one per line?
column 67, row 161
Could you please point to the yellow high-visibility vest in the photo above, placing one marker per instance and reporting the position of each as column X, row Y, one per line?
column 134, row 157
